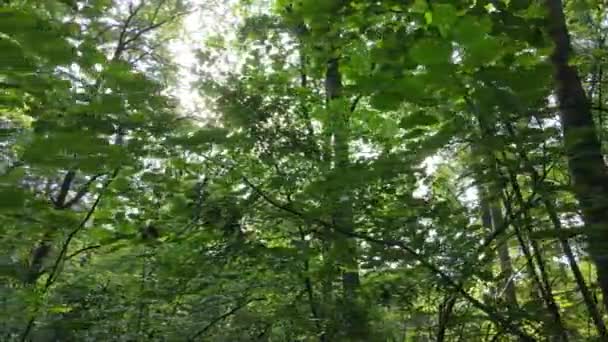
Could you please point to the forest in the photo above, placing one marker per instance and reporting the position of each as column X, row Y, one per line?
column 303, row 170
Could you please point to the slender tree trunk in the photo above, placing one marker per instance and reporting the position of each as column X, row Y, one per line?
column 565, row 245
column 308, row 285
column 492, row 219
column 583, row 149
column 346, row 249
column 578, row 275
column 344, row 210
column 445, row 313
column 544, row 282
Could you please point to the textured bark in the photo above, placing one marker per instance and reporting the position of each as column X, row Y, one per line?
column 583, row 149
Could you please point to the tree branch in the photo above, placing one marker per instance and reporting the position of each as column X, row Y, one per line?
column 222, row 317
column 59, row 202
column 353, row 106
column 121, row 45
column 82, row 192
column 55, row 269
column 76, row 230
column 139, row 33
column 82, row 250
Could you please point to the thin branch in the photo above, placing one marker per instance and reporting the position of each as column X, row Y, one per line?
column 157, row 9
column 76, row 230
column 54, row 270
column 120, row 47
column 139, row 33
column 310, row 291
column 82, row 250
column 222, row 317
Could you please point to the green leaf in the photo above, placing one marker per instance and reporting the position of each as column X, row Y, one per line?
column 419, row 6
column 471, row 29
column 483, row 51
column 419, row 119
column 60, row 309
column 13, row 21
column 429, row 51
column 12, row 57
column 444, row 17
column 11, row 197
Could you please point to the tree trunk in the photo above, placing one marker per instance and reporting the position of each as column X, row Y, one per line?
column 445, row 312
column 493, row 220
column 565, row 245
column 583, row 150
column 543, row 277
column 345, row 248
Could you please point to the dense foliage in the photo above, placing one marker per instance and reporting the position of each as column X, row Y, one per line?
column 358, row 171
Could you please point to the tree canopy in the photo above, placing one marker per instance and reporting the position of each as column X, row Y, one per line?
column 338, row 170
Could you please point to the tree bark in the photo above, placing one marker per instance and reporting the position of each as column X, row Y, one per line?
column 587, row 167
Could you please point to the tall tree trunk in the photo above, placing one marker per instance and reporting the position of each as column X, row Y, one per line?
column 583, row 149
column 492, row 219
column 346, row 248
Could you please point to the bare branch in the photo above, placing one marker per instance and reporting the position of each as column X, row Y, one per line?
column 120, row 47
column 152, row 27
